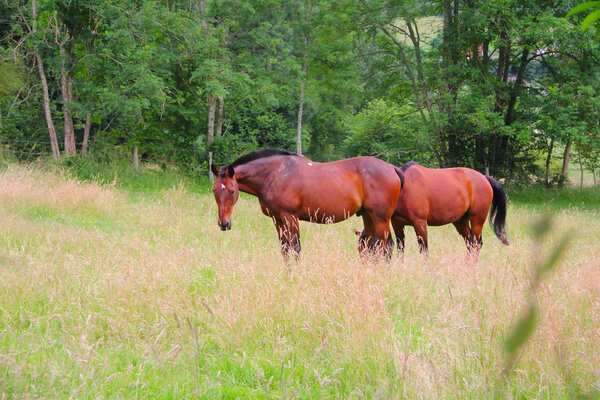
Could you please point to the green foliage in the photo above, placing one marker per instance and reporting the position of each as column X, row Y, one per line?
column 591, row 18
column 488, row 90
column 387, row 130
column 113, row 165
column 527, row 322
column 11, row 79
column 522, row 331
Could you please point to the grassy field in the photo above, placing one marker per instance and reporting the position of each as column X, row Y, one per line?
column 107, row 292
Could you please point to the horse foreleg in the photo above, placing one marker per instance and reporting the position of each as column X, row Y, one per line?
column 288, row 230
column 421, row 232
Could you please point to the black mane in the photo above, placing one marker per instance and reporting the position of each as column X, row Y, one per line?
column 408, row 165
column 255, row 155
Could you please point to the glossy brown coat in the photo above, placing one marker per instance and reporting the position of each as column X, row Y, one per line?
column 460, row 196
column 291, row 187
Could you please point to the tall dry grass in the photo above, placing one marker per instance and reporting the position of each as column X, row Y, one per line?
column 105, row 295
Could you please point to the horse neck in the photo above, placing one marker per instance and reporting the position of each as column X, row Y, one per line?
column 251, row 177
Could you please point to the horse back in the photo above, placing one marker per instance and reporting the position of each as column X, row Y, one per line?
column 332, row 191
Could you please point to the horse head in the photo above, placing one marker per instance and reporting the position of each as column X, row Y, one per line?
column 366, row 245
column 226, row 193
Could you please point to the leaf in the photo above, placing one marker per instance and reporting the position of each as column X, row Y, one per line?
column 582, row 7
column 590, row 19
column 551, row 261
column 522, row 331
column 541, row 226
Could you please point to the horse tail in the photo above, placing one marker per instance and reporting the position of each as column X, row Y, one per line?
column 498, row 210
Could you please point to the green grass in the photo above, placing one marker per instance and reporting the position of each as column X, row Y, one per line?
column 128, row 289
column 556, row 197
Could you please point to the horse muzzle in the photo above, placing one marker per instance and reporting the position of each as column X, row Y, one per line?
column 225, row 226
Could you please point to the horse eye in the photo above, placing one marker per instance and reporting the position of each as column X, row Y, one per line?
column 232, row 192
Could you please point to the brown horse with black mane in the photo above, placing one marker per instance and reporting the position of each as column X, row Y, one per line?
column 434, row 197
column 291, row 187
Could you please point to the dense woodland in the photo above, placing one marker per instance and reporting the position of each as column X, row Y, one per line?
column 508, row 87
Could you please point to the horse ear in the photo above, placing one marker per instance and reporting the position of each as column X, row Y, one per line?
column 357, row 233
column 214, row 169
column 230, row 171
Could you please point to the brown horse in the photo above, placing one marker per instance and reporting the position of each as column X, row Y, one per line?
column 291, row 187
column 435, row 197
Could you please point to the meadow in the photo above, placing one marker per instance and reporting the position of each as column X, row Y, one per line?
column 112, row 290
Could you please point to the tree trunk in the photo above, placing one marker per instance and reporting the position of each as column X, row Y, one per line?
column 210, row 131
column 300, row 108
column 594, row 174
column 88, row 116
column 548, row 161
column 210, row 126
column 203, row 13
column 66, row 86
column 514, row 94
column 220, row 120
column 135, row 158
column 480, row 152
column 441, row 148
column 47, row 112
column 302, row 82
column 212, row 101
column 564, row 173
column 86, row 133
column 510, row 109
column 449, row 60
column 580, row 166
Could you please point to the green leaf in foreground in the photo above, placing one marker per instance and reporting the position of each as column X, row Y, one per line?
column 552, row 260
column 541, row 226
column 590, row 19
column 583, row 6
column 522, row 331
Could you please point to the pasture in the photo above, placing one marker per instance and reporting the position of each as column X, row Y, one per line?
column 111, row 293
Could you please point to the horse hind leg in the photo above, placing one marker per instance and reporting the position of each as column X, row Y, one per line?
column 477, row 240
column 462, row 227
column 474, row 241
column 399, row 231
column 421, row 232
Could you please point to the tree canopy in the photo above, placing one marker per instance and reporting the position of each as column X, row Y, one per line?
column 499, row 86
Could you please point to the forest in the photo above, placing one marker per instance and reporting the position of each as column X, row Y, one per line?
column 507, row 87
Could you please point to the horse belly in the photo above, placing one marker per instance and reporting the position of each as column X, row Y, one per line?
column 329, row 206
column 448, row 207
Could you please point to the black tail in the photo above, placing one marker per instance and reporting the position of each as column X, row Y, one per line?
column 498, row 210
